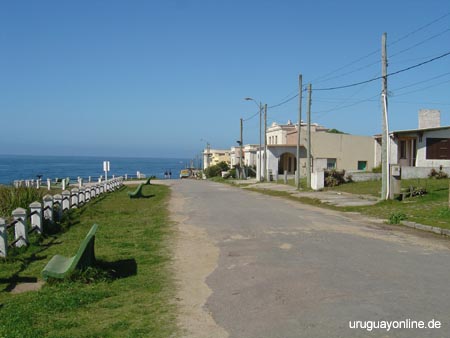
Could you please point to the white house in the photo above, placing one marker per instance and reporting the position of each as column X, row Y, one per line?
column 419, row 150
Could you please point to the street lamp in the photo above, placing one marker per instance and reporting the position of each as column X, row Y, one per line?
column 260, row 120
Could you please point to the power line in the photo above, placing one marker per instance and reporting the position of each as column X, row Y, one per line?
column 420, row 43
column 380, row 77
column 249, row 118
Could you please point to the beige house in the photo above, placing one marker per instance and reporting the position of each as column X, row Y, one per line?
column 328, row 150
column 214, row 156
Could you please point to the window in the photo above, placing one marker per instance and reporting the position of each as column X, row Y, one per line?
column 362, row 165
column 438, row 149
column 402, row 149
column 331, row 163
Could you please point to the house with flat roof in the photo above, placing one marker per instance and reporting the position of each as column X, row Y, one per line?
column 419, row 150
column 328, row 150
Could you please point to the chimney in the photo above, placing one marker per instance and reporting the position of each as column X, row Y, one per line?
column 429, row 118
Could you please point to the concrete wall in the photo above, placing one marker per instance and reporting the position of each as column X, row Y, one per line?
column 358, row 176
column 346, row 149
column 420, row 172
column 429, row 118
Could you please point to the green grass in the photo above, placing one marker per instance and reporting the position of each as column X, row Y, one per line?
column 430, row 209
column 128, row 294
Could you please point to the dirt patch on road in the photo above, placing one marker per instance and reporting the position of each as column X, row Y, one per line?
column 195, row 259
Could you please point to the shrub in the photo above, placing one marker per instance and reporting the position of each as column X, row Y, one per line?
column 437, row 174
column 216, row 170
column 376, row 169
column 334, row 177
column 396, row 217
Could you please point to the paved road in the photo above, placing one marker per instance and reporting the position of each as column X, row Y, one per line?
column 289, row 270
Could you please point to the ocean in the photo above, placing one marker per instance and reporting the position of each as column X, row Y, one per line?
column 21, row 167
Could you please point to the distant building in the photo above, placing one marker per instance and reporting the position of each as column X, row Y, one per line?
column 328, row 150
column 214, row 156
column 249, row 155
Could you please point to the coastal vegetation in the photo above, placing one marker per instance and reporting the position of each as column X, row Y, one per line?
column 128, row 293
column 12, row 198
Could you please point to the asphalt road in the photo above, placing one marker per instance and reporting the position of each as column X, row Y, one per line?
column 289, row 270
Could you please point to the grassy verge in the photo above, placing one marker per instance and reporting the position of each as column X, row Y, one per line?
column 128, row 294
column 430, row 209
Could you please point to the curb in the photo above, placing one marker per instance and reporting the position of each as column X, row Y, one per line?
column 427, row 228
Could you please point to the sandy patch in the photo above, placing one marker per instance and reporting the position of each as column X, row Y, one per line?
column 195, row 258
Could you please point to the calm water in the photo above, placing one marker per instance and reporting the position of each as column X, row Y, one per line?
column 14, row 167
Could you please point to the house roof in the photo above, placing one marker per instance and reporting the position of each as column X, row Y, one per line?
column 418, row 130
column 409, row 131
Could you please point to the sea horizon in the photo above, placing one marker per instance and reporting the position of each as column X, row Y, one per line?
column 28, row 167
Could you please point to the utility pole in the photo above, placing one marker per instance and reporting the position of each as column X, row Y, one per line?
column 260, row 147
column 241, row 174
column 265, row 142
column 308, row 157
column 297, row 173
column 384, row 138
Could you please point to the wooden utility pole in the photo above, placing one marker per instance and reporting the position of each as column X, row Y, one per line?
column 297, row 173
column 308, row 157
column 265, row 143
column 384, row 136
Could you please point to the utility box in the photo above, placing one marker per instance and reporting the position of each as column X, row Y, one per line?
column 317, row 180
column 395, row 181
column 395, row 171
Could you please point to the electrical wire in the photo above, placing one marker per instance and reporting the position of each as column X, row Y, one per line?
column 380, row 77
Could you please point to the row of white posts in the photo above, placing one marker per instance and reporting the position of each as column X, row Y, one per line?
column 51, row 209
column 38, row 183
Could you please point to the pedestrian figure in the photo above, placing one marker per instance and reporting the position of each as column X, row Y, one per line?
column 165, row 174
column 170, row 174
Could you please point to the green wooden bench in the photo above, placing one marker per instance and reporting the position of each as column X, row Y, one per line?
column 60, row 266
column 137, row 193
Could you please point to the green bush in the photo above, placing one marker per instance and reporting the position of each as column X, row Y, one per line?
column 216, row 170
column 334, row 177
column 376, row 169
column 396, row 217
column 437, row 174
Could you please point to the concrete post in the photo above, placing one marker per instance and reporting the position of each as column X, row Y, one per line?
column 89, row 179
column 126, row 177
column 80, row 182
column 20, row 228
column 36, row 218
column 285, row 177
column 38, row 184
column 58, row 200
column 87, row 194
column 48, row 207
column 74, row 196
column 82, row 196
column 63, row 184
column 49, row 183
column 97, row 190
column 66, row 200
column 3, row 238
column 102, row 189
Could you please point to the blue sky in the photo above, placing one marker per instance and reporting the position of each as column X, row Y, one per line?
column 154, row 78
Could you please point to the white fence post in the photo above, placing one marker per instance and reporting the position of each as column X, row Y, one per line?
column 20, row 228
column 74, row 196
column 82, row 196
column 58, row 200
column 36, row 216
column 49, row 183
column 65, row 200
column 3, row 238
column 48, row 207
column 87, row 194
